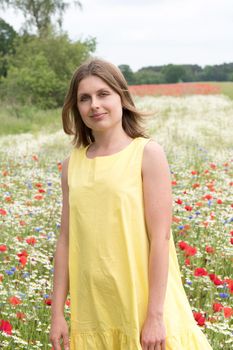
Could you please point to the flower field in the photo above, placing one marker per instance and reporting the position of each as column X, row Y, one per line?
column 196, row 135
column 183, row 89
column 179, row 89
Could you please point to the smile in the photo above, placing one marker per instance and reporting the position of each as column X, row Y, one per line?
column 98, row 115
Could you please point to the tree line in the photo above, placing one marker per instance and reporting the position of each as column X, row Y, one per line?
column 172, row 73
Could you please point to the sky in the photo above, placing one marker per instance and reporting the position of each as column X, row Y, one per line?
column 152, row 32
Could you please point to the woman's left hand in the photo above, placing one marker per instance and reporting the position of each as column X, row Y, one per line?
column 153, row 334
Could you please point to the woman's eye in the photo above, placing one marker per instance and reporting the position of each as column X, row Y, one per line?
column 104, row 93
column 83, row 98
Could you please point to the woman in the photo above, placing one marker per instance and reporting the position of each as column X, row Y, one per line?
column 115, row 253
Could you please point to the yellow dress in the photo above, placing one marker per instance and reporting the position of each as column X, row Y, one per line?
column 108, row 258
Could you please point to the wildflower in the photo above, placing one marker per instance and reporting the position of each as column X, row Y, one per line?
column 199, row 318
column 224, row 295
column 209, row 249
column 228, row 312
column 14, row 300
column 3, row 212
column 5, row 327
column 20, row 315
column 35, row 157
column 188, row 207
column 3, row 248
column 200, row 271
column 31, row 240
column 179, row 201
column 217, row 307
column 38, row 197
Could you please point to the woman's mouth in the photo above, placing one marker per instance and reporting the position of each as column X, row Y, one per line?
column 98, row 115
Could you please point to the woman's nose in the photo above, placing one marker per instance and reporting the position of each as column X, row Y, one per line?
column 94, row 102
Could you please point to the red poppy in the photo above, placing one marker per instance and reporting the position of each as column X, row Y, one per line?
column 217, row 307
column 228, row 312
column 14, row 300
column 219, row 201
column 208, row 197
column 183, row 245
column 68, row 302
column 179, row 201
column 23, row 260
column 194, row 172
column 200, row 271
column 199, row 318
column 190, row 251
column 48, row 301
column 22, row 223
column 3, row 248
column 35, row 157
column 3, row 212
column 230, row 285
column 23, row 253
column 31, row 240
column 20, row 315
column 5, row 327
column 188, row 208
column 209, row 249
column 59, row 166
column 38, row 197
column 196, row 185
column 213, row 166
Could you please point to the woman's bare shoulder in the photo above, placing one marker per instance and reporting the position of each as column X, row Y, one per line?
column 154, row 157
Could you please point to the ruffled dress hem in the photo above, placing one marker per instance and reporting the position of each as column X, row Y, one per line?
column 187, row 339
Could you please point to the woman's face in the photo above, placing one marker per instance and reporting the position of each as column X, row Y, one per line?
column 98, row 104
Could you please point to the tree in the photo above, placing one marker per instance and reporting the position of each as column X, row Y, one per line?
column 127, row 72
column 173, row 73
column 7, row 37
column 40, row 70
column 146, row 76
column 38, row 13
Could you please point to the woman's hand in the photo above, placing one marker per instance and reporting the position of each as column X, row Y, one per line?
column 153, row 334
column 59, row 330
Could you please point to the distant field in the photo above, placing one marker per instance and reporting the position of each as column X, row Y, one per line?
column 29, row 119
column 181, row 89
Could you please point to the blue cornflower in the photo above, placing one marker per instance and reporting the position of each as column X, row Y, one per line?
column 224, row 295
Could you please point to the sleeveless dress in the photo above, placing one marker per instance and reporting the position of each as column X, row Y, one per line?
column 108, row 258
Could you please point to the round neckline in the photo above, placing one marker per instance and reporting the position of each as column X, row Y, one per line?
column 109, row 155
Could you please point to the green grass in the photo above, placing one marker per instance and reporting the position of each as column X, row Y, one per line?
column 226, row 88
column 25, row 119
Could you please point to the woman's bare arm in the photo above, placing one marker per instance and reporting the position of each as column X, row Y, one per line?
column 61, row 271
column 59, row 327
column 158, row 215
